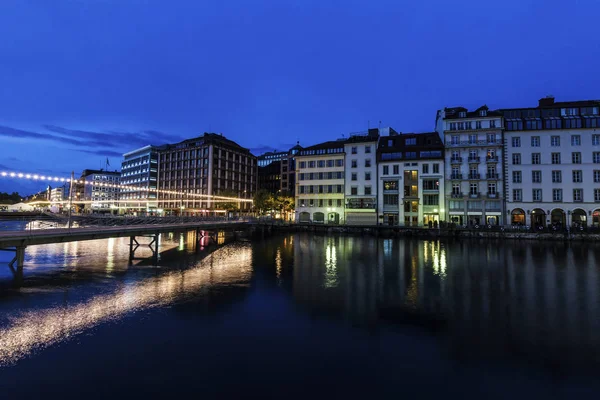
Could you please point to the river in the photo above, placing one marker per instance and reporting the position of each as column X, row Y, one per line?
column 303, row 316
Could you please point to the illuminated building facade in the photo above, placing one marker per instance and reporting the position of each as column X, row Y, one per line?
column 99, row 192
column 139, row 176
column 209, row 165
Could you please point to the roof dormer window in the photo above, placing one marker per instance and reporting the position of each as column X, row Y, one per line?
column 482, row 113
column 462, row 114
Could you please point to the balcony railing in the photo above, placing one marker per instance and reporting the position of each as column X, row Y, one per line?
column 457, row 195
column 493, row 176
column 474, row 175
column 456, row 176
column 474, row 195
column 456, row 160
column 492, row 159
column 474, row 159
column 467, row 143
column 492, row 195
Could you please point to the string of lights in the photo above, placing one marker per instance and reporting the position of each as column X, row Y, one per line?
column 186, row 195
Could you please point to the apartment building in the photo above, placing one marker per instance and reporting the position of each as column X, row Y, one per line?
column 553, row 164
column 474, row 159
column 411, row 179
column 277, row 171
column 139, row 180
column 209, row 165
column 361, row 178
column 100, row 192
column 320, row 183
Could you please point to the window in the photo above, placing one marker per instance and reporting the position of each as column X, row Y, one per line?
column 576, row 157
column 339, row 163
column 367, row 189
column 577, row 176
column 321, row 164
column 302, row 164
column 455, row 139
column 516, row 175
column 577, row 194
column 353, row 164
column 390, row 199
column 492, row 188
column 367, row 149
column 473, row 139
column 396, row 169
column 575, row 140
column 312, row 164
column 474, row 189
column 339, row 202
column 536, row 158
column 367, row 163
column 516, row 142
column 353, row 176
column 556, row 194
column 597, row 195
column 425, row 168
column 555, row 158
column 555, row 141
column 462, row 114
column 436, row 168
column 517, row 195
column 477, row 124
column 535, row 141
column 596, row 157
column 354, row 190
column 595, row 140
column 596, row 176
column 491, row 138
column 431, row 199
column 536, row 194
column 456, row 189
column 410, row 141
column 390, row 185
column 386, row 170
column 367, row 176
column 536, row 176
column 493, row 123
column 556, row 176
column 516, row 158
column 354, row 150
column 330, row 163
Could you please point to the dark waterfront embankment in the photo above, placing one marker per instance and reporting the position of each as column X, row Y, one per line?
column 483, row 232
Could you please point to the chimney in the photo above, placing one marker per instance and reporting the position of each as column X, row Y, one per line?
column 546, row 101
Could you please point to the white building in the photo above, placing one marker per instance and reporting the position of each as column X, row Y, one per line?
column 100, row 191
column 320, row 183
column 410, row 179
column 553, row 164
column 361, row 178
column 473, row 164
column 139, row 178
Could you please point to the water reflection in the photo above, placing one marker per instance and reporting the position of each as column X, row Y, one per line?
column 33, row 330
column 532, row 299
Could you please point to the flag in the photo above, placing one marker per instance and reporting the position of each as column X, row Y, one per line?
column 107, row 163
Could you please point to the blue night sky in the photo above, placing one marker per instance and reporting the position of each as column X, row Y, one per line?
column 83, row 80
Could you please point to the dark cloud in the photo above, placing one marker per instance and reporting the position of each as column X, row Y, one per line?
column 7, row 131
column 4, row 167
column 116, row 138
column 105, row 153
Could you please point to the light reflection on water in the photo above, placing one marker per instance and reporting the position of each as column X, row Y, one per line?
column 33, row 330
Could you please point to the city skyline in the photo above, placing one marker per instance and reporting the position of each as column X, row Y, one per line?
column 267, row 75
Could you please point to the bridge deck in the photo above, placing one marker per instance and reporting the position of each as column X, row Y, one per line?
column 47, row 236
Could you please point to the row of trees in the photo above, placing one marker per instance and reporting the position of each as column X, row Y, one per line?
column 267, row 203
column 12, row 198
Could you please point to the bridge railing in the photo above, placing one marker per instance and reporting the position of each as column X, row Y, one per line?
column 81, row 221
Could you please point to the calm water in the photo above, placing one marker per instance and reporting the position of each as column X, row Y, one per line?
column 300, row 316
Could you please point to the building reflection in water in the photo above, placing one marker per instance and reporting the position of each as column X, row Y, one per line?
column 532, row 298
column 37, row 329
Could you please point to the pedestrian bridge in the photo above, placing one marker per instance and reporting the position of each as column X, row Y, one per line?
column 17, row 241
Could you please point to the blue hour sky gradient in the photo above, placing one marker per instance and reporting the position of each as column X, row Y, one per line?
column 83, row 80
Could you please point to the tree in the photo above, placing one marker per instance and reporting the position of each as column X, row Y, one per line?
column 12, row 198
column 228, row 205
column 263, row 201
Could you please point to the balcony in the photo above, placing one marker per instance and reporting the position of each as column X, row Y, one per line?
column 493, row 176
column 474, row 175
column 457, row 195
column 492, row 159
column 456, row 176
column 492, row 195
column 474, row 143
column 456, row 160
column 474, row 159
column 474, row 195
